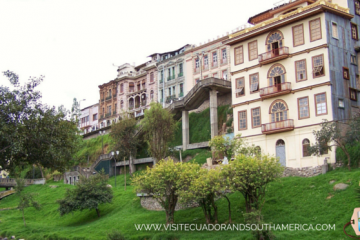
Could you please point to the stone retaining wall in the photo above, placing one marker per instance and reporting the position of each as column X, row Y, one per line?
column 308, row 171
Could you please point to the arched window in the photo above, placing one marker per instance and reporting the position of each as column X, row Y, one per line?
column 305, row 146
column 131, row 103
column 121, row 104
column 274, row 41
column 152, row 95
column 278, row 111
column 143, row 99
column 276, row 75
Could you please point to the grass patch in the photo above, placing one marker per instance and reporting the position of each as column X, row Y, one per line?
column 199, row 125
column 289, row 200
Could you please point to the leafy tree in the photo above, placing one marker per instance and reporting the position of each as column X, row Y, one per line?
column 332, row 134
column 26, row 199
column 250, row 176
column 75, row 110
column 225, row 146
column 31, row 132
column 159, row 127
column 163, row 183
column 203, row 187
column 260, row 233
column 89, row 193
column 125, row 139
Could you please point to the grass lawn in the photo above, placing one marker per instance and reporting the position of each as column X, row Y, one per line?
column 289, row 200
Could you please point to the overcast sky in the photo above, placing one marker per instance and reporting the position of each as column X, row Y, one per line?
column 75, row 43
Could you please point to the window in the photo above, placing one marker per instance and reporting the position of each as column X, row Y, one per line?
column 334, row 30
column 121, row 104
column 353, row 94
column 197, row 63
column 255, row 117
column 341, row 103
column 278, row 111
column 95, row 117
column 115, row 107
column 181, row 88
column 214, row 59
column 357, row 7
column 298, row 35
column 224, row 74
column 240, row 87
column 181, row 69
column 109, row 109
column 239, row 55
column 353, row 59
column 162, row 75
column 346, row 74
column 305, row 147
column 354, row 31
column 300, row 68
column 253, row 52
column 151, row 77
column 131, row 87
column 169, row 91
column 320, row 104
column 303, row 107
column 254, row 83
column 224, row 56
column 152, row 95
column 121, row 88
column 315, row 29
column 206, row 61
column 357, row 81
column 242, row 120
column 318, row 66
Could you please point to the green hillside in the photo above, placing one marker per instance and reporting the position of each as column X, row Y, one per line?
column 290, row 200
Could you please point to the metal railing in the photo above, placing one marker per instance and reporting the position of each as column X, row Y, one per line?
column 181, row 94
column 108, row 114
column 181, row 74
column 277, row 126
column 108, row 98
column 273, row 53
column 275, row 89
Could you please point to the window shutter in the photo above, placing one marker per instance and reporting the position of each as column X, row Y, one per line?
column 282, row 78
column 270, row 82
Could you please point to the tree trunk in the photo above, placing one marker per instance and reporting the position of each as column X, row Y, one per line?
column 98, row 212
column 131, row 164
column 229, row 208
column 42, row 174
column 348, row 157
column 170, row 208
column 215, row 208
column 23, row 217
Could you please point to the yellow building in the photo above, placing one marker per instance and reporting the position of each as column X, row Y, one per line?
column 293, row 68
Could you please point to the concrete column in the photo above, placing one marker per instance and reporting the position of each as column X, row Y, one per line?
column 185, row 129
column 213, row 113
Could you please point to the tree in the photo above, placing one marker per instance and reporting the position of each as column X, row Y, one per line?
column 163, row 183
column 225, row 146
column 26, row 199
column 89, row 193
column 332, row 134
column 159, row 127
column 203, row 187
column 125, row 139
column 250, row 176
column 31, row 132
column 75, row 110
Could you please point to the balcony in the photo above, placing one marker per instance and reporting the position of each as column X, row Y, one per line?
column 181, row 94
column 114, row 96
column 102, row 100
column 108, row 98
column 274, row 55
column 279, row 89
column 275, row 127
column 131, row 107
column 114, row 112
column 108, row 115
column 181, row 74
column 101, row 117
column 170, row 98
column 161, row 80
column 171, row 77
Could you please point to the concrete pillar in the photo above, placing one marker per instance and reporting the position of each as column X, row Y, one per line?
column 213, row 113
column 185, row 129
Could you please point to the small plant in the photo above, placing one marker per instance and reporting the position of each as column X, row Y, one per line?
column 261, row 233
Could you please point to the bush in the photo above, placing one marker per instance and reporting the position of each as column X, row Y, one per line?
column 354, row 152
column 115, row 235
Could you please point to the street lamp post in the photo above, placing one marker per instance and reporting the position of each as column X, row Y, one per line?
column 114, row 156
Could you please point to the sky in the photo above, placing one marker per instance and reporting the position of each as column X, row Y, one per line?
column 78, row 44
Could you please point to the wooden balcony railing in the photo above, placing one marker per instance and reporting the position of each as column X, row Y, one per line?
column 281, row 126
column 274, row 55
column 276, row 90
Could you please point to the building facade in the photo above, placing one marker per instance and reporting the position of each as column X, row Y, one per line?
column 207, row 60
column 171, row 69
column 89, row 118
column 129, row 93
column 295, row 66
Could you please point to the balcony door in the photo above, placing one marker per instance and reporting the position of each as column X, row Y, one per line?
column 280, row 152
column 277, row 83
column 275, row 49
